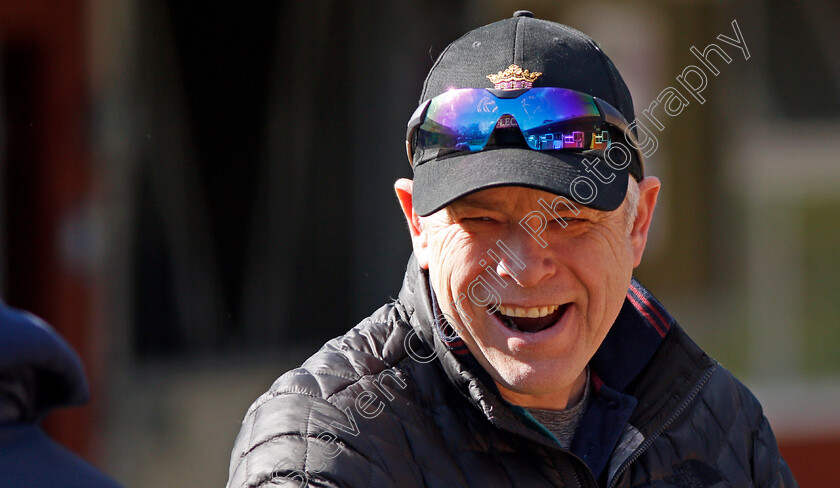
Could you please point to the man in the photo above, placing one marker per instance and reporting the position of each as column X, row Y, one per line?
column 38, row 372
column 520, row 352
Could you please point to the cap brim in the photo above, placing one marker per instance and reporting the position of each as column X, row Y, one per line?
column 439, row 182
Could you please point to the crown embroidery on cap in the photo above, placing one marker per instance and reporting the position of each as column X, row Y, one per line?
column 513, row 78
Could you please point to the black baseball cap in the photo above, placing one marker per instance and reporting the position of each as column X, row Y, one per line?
column 567, row 58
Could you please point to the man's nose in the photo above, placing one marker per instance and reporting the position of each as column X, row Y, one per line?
column 525, row 260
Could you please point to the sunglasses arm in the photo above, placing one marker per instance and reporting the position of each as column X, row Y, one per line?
column 413, row 124
column 613, row 117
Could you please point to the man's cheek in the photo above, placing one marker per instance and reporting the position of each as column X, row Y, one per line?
column 483, row 295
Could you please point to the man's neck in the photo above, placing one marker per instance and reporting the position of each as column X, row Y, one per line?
column 555, row 400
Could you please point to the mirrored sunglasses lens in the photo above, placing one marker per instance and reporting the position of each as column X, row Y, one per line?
column 464, row 119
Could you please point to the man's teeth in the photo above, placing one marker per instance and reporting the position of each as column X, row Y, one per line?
column 532, row 312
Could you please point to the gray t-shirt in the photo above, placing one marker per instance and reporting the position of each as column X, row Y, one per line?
column 563, row 423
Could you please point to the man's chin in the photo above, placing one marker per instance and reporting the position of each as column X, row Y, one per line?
column 537, row 393
column 534, row 378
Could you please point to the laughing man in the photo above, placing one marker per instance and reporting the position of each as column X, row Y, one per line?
column 521, row 351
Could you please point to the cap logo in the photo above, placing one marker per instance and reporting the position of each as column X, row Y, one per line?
column 513, row 78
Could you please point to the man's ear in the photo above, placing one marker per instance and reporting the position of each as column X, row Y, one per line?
column 648, row 193
column 404, row 189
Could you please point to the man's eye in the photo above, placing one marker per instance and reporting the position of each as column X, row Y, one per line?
column 478, row 220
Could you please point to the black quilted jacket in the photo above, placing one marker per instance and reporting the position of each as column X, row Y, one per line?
column 390, row 404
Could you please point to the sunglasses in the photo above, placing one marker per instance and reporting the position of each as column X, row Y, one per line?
column 549, row 118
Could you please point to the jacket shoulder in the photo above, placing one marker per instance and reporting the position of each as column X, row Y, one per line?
column 746, row 435
column 371, row 347
column 725, row 428
column 706, row 427
column 307, row 425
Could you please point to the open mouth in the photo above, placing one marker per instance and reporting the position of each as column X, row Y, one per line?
column 530, row 320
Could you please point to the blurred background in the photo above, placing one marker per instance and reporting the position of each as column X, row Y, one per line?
column 198, row 195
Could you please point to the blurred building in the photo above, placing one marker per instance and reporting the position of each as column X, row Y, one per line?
column 183, row 189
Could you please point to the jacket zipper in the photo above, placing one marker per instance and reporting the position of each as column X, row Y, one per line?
column 577, row 477
column 647, row 442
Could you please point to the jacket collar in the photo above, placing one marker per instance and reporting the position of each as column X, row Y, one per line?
column 636, row 334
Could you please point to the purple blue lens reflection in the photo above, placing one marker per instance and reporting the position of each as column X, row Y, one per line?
column 464, row 119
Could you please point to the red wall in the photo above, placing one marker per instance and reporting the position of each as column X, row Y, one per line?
column 814, row 462
column 46, row 176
